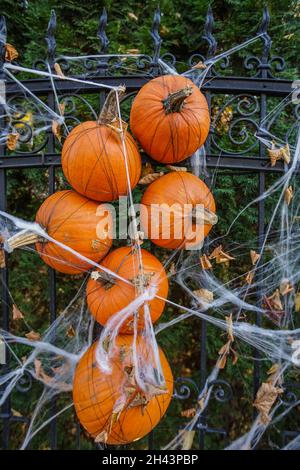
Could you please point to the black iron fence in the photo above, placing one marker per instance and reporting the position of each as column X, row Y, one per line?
column 246, row 93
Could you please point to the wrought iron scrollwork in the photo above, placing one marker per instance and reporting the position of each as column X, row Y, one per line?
column 50, row 39
column 24, row 384
column 291, row 394
column 264, row 65
column 101, row 32
column 155, row 36
column 184, row 388
column 208, row 33
column 222, row 390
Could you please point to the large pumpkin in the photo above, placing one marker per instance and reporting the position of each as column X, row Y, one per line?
column 93, row 159
column 177, row 211
column 105, row 296
column 71, row 219
column 170, row 118
column 98, row 396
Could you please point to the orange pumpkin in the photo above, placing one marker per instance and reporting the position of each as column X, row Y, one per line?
column 106, row 296
column 170, row 216
column 75, row 221
column 170, row 118
column 110, row 406
column 93, row 159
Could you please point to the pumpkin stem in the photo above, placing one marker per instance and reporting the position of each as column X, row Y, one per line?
column 204, row 215
column 23, row 238
column 109, row 111
column 104, row 278
column 175, row 101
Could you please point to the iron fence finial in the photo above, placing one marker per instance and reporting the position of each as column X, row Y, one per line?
column 101, row 32
column 50, row 38
column 208, row 36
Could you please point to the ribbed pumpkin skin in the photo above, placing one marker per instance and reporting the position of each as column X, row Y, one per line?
column 103, row 303
column 93, row 161
column 174, row 188
column 71, row 219
column 95, row 394
column 169, row 138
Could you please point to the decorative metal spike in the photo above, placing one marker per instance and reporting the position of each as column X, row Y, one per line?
column 155, row 35
column 208, row 36
column 263, row 29
column 3, row 37
column 104, row 42
column 50, row 38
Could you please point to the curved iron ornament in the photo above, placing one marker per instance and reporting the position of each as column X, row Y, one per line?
column 235, row 123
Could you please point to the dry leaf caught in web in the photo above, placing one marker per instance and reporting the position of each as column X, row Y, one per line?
column 71, row 332
column 56, row 129
column 187, row 439
column 282, row 153
column 11, row 53
column 285, row 287
column 150, row 178
column 226, row 350
column 176, row 168
column 205, row 263
column 205, row 295
column 264, row 400
column 2, row 259
column 37, row 367
column 273, row 371
column 58, row 70
column 33, row 336
column 275, row 300
column 200, row 65
column 102, row 437
column 12, row 140
column 220, row 256
column 254, row 257
column 288, row 195
column 147, row 169
column 249, row 277
column 189, row 413
column 17, row 314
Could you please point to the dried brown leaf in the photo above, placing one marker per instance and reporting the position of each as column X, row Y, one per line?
column 12, row 140
column 273, row 369
column 71, row 332
column 58, row 70
column 265, row 398
column 204, row 294
column 150, row 178
column 249, row 277
column 254, row 257
column 102, row 437
column 56, row 129
column 176, row 168
column 37, row 367
column 200, row 65
column 33, row 336
column 16, row 413
column 205, row 263
column 17, row 314
column 220, row 256
column 275, row 300
column 285, row 287
column 189, row 413
column 288, row 195
column 2, row 259
column 11, row 53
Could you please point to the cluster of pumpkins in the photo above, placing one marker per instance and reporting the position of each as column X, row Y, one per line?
column 170, row 119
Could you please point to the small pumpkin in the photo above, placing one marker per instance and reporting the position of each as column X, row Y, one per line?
column 110, row 406
column 107, row 295
column 170, row 118
column 71, row 219
column 177, row 211
column 93, row 159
